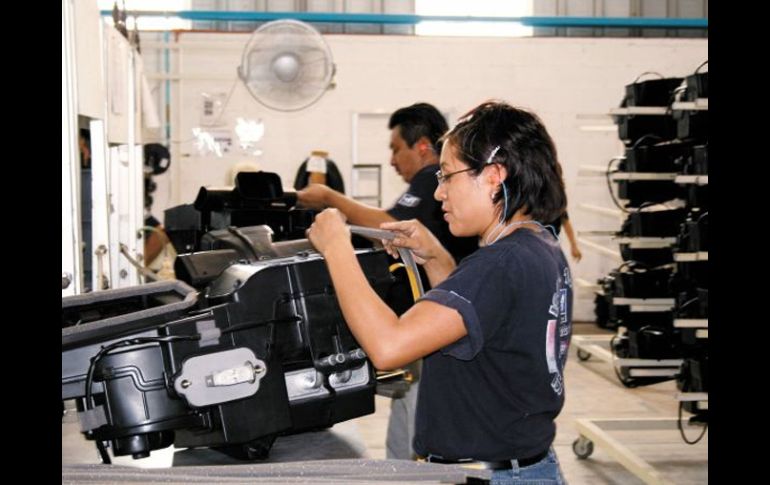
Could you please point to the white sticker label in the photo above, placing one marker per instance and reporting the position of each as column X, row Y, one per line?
column 550, row 347
column 409, row 200
column 316, row 164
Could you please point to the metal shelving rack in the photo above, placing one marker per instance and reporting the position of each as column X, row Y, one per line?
column 596, row 430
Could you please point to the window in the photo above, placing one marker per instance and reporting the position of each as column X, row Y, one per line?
column 151, row 22
column 477, row 8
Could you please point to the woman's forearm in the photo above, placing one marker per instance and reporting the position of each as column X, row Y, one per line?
column 439, row 267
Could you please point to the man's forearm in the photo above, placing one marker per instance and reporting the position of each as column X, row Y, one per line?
column 356, row 212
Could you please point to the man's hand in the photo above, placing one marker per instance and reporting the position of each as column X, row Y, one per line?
column 314, row 196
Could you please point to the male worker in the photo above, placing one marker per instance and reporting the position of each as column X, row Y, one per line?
column 415, row 148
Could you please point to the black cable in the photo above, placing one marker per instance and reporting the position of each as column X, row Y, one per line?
column 647, row 203
column 647, row 72
column 609, row 187
column 679, row 419
column 632, row 264
column 676, row 95
column 124, row 343
column 687, row 303
column 102, row 449
column 685, row 231
column 648, row 136
column 170, row 338
column 625, row 382
column 90, row 404
column 681, row 428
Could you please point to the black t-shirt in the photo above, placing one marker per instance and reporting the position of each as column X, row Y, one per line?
column 418, row 203
column 494, row 394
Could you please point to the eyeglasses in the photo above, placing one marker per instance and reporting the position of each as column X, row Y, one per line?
column 443, row 177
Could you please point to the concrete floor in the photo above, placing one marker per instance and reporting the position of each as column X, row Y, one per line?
column 593, row 391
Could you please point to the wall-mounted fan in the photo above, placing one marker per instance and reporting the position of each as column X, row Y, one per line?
column 286, row 65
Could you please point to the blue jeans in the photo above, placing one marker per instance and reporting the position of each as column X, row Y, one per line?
column 398, row 443
column 544, row 472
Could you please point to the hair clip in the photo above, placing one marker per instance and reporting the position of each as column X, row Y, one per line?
column 492, row 155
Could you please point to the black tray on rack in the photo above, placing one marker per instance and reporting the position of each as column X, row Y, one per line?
column 653, row 92
column 697, row 86
column 692, row 125
column 664, row 223
column 661, row 157
column 638, row 192
column 632, row 127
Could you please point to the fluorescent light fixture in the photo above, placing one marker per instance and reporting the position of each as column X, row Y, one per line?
column 151, row 23
column 474, row 8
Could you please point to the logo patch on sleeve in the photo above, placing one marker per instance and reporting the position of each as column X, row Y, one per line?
column 409, row 200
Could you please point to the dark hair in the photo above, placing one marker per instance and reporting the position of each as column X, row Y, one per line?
column 418, row 120
column 534, row 180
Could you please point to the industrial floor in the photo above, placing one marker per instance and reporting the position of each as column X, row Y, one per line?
column 593, row 391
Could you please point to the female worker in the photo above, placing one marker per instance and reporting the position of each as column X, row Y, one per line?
column 495, row 329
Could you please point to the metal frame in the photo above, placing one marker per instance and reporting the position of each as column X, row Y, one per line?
column 692, row 179
column 645, row 304
column 641, row 110
column 593, row 345
column 101, row 277
column 689, row 257
column 643, row 176
column 691, row 323
column 605, row 211
column 646, row 242
column 600, row 248
column 700, row 398
column 596, row 346
column 71, row 237
column 700, row 104
column 595, row 431
column 410, row 19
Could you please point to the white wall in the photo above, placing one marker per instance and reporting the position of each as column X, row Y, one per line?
column 569, row 82
column 88, row 56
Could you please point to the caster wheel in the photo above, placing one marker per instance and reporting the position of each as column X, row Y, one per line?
column 583, row 447
column 583, row 355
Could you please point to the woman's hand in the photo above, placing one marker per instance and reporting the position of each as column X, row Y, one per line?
column 329, row 231
column 413, row 235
